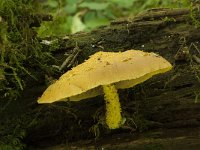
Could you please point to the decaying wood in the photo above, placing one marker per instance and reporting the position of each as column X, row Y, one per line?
column 183, row 139
column 167, row 101
column 157, row 30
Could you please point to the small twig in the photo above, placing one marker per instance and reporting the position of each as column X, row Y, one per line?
column 192, row 44
column 197, row 59
column 71, row 58
column 160, row 13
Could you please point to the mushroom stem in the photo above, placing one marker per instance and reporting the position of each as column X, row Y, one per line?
column 113, row 109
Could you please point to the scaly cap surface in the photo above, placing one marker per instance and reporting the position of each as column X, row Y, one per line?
column 123, row 69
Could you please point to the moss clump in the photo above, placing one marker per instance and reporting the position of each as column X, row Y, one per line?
column 194, row 15
column 20, row 49
column 12, row 135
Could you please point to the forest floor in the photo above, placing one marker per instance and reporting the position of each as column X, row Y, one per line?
column 167, row 139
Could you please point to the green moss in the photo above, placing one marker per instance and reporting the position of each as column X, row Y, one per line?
column 194, row 16
column 169, row 19
column 20, row 47
column 12, row 133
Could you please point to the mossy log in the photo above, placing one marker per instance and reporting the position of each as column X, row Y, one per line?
column 167, row 101
column 173, row 34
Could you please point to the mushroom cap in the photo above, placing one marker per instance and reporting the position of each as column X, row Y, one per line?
column 123, row 69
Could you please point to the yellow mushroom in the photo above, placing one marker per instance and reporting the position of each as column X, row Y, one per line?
column 104, row 73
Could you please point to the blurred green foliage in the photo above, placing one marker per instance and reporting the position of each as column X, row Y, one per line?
column 71, row 16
